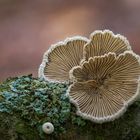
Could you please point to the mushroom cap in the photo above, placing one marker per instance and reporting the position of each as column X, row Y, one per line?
column 105, row 85
column 61, row 58
column 103, row 42
column 48, row 128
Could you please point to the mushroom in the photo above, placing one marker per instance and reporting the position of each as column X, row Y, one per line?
column 105, row 85
column 102, row 42
column 48, row 128
column 61, row 58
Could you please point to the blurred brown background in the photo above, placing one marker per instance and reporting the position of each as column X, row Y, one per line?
column 29, row 27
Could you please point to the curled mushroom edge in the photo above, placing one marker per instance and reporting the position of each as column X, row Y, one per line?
column 103, row 32
column 48, row 53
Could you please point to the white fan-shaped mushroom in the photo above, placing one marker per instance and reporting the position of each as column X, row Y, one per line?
column 105, row 85
column 103, row 42
column 61, row 58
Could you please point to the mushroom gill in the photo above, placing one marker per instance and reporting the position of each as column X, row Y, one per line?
column 105, row 85
column 61, row 58
column 103, row 42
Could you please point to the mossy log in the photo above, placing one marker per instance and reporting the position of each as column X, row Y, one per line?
column 26, row 103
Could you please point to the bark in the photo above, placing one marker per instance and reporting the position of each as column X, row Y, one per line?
column 21, row 125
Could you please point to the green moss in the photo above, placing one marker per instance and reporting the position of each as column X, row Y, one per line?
column 36, row 102
column 27, row 102
column 12, row 127
column 24, row 131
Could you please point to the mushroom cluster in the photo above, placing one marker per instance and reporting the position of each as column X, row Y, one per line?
column 103, row 73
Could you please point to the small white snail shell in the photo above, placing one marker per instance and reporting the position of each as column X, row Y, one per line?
column 48, row 128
